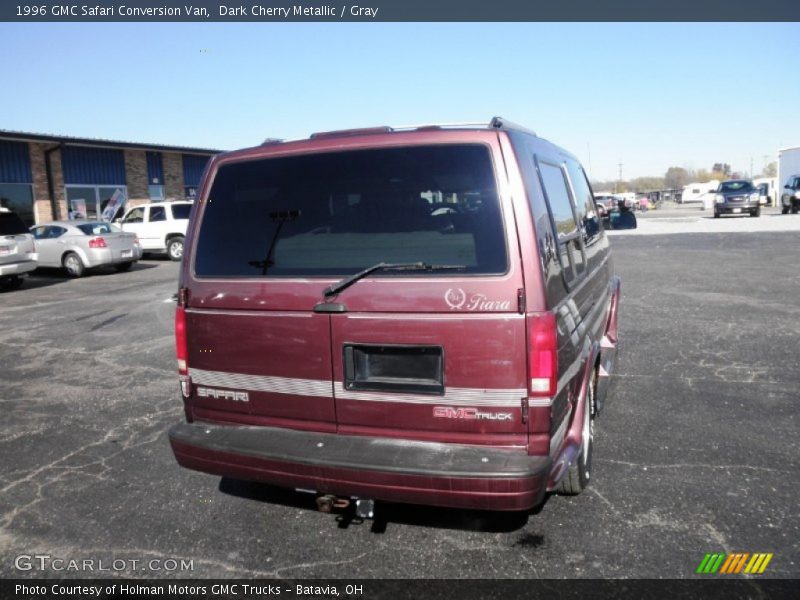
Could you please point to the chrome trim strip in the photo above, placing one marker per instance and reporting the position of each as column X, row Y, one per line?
column 454, row 316
column 504, row 398
column 261, row 383
column 452, row 396
column 540, row 402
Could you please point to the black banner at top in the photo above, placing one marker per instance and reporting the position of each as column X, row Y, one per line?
column 397, row 10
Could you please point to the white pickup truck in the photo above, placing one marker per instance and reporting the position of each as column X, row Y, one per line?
column 161, row 226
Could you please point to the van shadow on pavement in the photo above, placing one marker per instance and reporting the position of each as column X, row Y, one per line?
column 386, row 512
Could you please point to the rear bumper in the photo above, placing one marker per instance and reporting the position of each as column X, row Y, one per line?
column 17, row 268
column 396, row 470
column 96, row 257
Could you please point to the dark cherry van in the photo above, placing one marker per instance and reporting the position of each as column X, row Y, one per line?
column 423, row 315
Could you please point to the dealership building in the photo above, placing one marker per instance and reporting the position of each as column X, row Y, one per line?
column 50, row 177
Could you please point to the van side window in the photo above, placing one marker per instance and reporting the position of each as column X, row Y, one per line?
column 570, row 244
column 584, row 202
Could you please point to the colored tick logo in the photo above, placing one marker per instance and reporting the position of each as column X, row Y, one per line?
column 737, row 562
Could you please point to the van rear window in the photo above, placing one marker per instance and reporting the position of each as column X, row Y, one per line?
column 340, row 212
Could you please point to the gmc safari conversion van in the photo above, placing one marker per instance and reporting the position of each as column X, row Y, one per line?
column 425, row 315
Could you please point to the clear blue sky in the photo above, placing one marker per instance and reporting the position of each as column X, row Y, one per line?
column 648, row 95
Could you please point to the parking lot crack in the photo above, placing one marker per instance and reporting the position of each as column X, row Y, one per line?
column 687, row 466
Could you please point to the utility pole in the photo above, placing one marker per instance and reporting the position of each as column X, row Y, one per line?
column 751, row 167
column 619, row 164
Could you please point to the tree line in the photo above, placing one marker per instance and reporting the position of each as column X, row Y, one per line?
column 678, row 177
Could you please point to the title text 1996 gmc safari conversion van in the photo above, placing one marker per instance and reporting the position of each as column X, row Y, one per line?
column 426, row 315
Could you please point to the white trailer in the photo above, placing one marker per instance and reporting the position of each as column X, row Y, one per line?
column 699, row 192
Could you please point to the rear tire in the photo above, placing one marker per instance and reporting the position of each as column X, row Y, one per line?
column 784, row 210
column 716, row 215
column 756, row 212
column 579, row 474
column 73, row 264
column 175, row 248
column 121, row 267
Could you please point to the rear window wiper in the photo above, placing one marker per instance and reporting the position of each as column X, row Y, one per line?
column 335, row 288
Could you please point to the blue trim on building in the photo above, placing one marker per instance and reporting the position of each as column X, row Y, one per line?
column 193, row 167
column 98, row 166
column 15, row 162
column 155, row 169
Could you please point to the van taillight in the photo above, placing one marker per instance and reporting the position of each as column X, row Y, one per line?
column 542, row 355
column 180, row 340
column 97, row 242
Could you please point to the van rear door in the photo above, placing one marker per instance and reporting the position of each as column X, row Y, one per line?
column 431, row 348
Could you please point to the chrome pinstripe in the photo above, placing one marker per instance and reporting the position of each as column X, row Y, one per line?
column 504, row 398
column 456, row 396
column 261, row 383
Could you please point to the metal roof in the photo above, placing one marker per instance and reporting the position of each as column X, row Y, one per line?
column 24, row 136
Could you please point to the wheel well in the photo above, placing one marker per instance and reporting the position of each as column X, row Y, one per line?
column 173, row 235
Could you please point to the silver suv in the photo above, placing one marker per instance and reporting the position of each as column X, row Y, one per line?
column 790, row 197
column 17, row 250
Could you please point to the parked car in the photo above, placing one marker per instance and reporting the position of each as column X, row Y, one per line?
column 161, row 226
column 80, row 245
column 367, row 343
column 736, row 197
column 621, row 217
column 17, row 250
column 790, row 197
column 609, row 201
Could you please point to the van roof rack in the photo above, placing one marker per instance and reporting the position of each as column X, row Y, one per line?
column 494, row 123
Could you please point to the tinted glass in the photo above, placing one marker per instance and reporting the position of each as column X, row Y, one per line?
column 11, row 224
column 18, row 198
column 584, row 199
column 158, row 213
column 735, row 186
column 337, row 213
column 181, row 211
column 558, row 198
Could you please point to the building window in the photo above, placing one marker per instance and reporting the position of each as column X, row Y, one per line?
column 190, row 192
column 19, row 198
column 104, row 202
column 156, row 192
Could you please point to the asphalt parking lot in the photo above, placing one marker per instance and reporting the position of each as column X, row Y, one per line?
column 696, row 451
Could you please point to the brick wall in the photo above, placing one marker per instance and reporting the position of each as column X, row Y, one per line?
column 173, row 175
column 136, row 176
column 41, row 194
column 58, row 183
